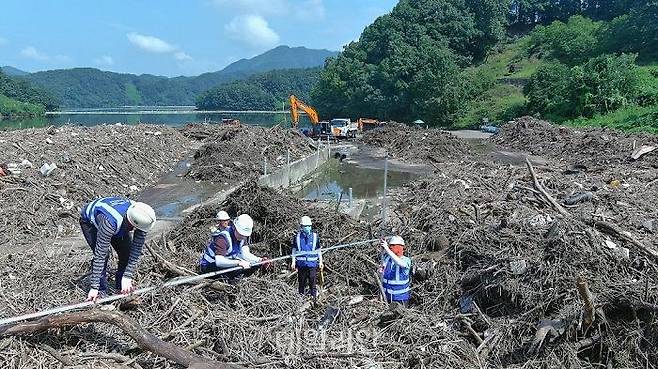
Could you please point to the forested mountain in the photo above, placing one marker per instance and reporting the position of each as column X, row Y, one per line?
column 454, row 62
column 281, row 57
column 263, row 91
column 19, row 98
column 92, row 88
column 13, row 72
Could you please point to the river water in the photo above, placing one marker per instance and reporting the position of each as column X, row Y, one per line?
column 173, row 116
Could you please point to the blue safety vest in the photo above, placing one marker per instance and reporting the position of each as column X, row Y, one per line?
column 113, row 208
column 396, row 280
column 233, row 246
column 306, row 254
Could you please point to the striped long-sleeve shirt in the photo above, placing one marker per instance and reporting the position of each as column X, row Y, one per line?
column 104, row 236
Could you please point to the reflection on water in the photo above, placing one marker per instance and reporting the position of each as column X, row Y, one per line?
column 337, row 178
column 174, row 193
column 92, row 118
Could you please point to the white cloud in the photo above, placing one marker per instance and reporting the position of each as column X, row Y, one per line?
column 31, row 52
column 104, row 60
column 180, row 55
column 262, row 7
column 3, row 41
column 253, row 30
column 150, row 43
column 311, row 10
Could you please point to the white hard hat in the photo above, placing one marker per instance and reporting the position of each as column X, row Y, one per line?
column 305, row 221
column 244, row 225
column 222, row 215
column 396, row 240
column 141, row 216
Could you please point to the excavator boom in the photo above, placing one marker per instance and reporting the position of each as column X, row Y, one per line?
column 296, row 105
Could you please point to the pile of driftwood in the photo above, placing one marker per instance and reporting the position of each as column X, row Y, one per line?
column 415, row 145
column 590, row 147
column 514, row 266
column 534, row 282
column 56, row 170
column 233, row 152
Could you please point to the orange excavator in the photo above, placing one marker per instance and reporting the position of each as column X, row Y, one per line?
column 295, row 105
column 319, row 128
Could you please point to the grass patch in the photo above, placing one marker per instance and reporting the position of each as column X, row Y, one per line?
column 633, row 119
column 15, row 109
column 499, row 104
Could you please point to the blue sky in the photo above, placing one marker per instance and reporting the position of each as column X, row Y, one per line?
column 172, row 37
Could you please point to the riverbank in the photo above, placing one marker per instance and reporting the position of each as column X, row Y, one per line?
column 499, row 247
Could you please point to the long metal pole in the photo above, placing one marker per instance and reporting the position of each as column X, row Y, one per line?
column 170, row 283
column 384, row 202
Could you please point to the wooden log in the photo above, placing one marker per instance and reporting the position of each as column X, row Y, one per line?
column 614, row 230
column 588, row 302
column 144, row 339
column 551, row 200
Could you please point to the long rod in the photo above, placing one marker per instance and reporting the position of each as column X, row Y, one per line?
column 170, row 283
column 384, row 202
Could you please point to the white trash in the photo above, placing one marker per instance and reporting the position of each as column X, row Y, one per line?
column 518, row 267
column 47, row 169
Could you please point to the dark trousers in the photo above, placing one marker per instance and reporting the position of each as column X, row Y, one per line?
column 230, row 276
column 307, row 276
column 120, row 244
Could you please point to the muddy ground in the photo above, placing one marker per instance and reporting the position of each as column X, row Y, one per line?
column 510, row 270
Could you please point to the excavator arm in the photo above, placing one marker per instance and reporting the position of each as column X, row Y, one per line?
column 296, row 105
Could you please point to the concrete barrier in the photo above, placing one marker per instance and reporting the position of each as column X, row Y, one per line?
column 281, row 177
column 288, row 175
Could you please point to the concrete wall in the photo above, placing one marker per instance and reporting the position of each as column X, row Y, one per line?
column 280, row 178
column 288, row 175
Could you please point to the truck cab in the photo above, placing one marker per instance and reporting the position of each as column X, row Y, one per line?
column 343, row 128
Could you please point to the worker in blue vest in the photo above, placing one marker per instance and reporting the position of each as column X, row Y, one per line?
column 228, row 248
column 396, row 271
column 110, row 221
column 306, row 257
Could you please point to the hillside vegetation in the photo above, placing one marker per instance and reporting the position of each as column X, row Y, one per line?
column 454, row 62
column 18, row 98
column 92, row 88
column 263, row 91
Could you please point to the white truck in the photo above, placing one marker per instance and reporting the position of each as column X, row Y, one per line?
column 344, row 128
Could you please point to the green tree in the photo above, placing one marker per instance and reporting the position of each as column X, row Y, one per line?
column 572, row 43
column 236, row 96
column 406, row 65
column 549, row 91
column 605, row 83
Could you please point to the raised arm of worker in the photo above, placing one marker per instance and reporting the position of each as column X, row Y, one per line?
column 104, row 234
column 402, row 262
column 139, row 237
column 245, row 254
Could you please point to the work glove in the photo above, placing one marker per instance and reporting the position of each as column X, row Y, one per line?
column 93, row 295
column 244, row 264
column 127, row 286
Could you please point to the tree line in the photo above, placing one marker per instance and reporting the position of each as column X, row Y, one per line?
column 263, row 91
column 20, row 98
column 415, row 62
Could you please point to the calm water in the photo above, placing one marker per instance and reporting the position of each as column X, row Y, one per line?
column 173, row 116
